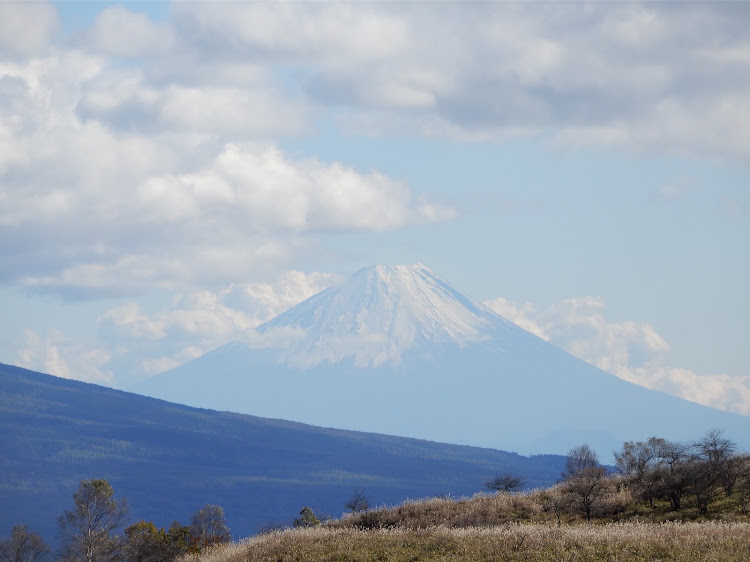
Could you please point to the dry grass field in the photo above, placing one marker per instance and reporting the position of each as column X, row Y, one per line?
column 506, row 527
column 534, row 542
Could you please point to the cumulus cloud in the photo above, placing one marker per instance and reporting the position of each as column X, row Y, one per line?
column 310, row 33
column 633, row 351
column 645, row 76
column 248, row 207
column 520, row 314
column 149, row 123
column 265, row 300
column 26, row 28
column 89, row 206
column 58, row 355
column 198, row 322
column 230, row 110
column 194, row 325
column 725, row 392
column 106, row 168
column 275, row 192
column 118, row 31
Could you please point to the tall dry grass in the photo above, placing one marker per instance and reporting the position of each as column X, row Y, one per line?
column 621, row 542
column 486, row 510
column 479, row 511
column 536, row 526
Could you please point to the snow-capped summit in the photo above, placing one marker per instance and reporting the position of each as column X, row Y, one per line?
column 380, row 313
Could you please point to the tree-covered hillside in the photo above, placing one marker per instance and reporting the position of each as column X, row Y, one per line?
column 170, row 460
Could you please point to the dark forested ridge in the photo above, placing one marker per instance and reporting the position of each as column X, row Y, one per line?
column 169, row 460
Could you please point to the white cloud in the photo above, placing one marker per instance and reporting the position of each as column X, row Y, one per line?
column 199, row 316
column 266, row 300
column 118, row 31
column 201, row 321
column 108, row 170
column 230, row 110
column 154, row 366
column 161, row 364
column 86, row 205
column 248, row 209
column 215, row 316
column 26, row 28
column 522, row 315
column 275, row 192
column 645, row 77
column 725, row 392
column 98, row 153
column 314, row 33
column 237, row 100
column 633, row 351
column 57, row 355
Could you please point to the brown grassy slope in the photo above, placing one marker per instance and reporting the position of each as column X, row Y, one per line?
column 621, row 542
column 489, row 510
column 550, row 505
column 542, row 526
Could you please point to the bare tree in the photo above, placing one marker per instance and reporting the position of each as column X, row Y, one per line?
column 505, row 482
column 733, row 473
column 208, row 527
column 555, row 500
column 580, row 459
column 718, row 452
column 637, row 461
column 86, row 531
column 673, row 472
column 670, row 470
column 584, row 478
column 710, row 466
column 358, row 502
column 23, row 546
column 636, row 458
column 715, row 448
column 743, row 483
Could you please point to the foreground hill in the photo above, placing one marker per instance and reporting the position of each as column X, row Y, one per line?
column 398, row 350
column 536, row 526
column 630, row 542
column 169, row 460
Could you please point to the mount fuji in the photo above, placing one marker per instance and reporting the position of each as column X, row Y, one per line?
column 398, row 350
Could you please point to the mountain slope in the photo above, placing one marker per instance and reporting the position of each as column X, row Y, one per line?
column 398, row 350
column 378, row 315
column 170, row 460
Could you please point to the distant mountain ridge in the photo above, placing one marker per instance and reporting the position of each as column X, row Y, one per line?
column 169, row 460
column 398, row 350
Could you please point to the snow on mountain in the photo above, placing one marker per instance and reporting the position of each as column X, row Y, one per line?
column 380, row 313
column 398, row 350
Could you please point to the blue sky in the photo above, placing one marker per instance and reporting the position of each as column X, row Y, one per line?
column 173, row 175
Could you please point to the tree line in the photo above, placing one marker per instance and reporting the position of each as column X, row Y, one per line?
column 704, row 470
column 653, row 470
column 88, row 532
